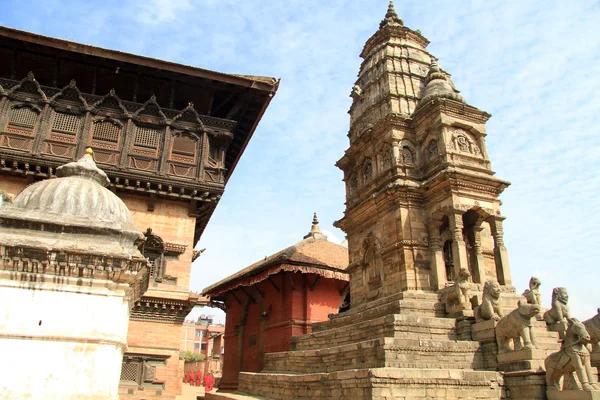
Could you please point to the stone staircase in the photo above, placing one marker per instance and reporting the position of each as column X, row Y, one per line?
column 400, row 347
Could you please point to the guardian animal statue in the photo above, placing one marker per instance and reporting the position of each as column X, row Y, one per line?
column 533, row 295
column 458, row 293
column 490, row 305
column 592, row 326
column 572, row 357
column 516, row 326
column 560, row 308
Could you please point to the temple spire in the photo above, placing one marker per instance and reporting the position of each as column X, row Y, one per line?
column 391, row 17
column 315, row 230
column 438, row 85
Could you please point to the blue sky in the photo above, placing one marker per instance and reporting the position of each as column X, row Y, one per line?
column 531, row 64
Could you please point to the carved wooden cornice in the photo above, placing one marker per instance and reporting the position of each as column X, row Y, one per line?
column 162, row 310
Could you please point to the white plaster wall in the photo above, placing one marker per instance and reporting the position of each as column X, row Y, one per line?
column 74, row 335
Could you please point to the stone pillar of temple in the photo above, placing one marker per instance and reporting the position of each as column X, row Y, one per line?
column 479, row 261
column 500, row 253
column 438, row 267
column 459, row 248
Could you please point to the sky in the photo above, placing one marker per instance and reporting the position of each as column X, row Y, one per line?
column 532, row 64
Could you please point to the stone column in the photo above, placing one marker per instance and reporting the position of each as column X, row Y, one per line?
column 479, row 261
column 459, row 248
column 395, row 152
column 500, row 253
column 438, row 267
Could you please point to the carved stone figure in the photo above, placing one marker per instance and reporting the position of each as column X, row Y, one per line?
column 458, row 293
column 4, row 198
column 490, row 305
column 517, row 325
column 356, row 92
column 572, row 357
column 592, row 326
column 533, row 295
column 560, row 309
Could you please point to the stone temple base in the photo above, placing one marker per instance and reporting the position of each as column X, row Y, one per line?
column 573, row 395
column 401, row 347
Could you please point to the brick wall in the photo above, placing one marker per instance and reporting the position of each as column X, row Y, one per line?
column 292, row 313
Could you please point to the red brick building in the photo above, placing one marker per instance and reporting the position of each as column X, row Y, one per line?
column 276, row 298
column 204, row 337
column 167, row 135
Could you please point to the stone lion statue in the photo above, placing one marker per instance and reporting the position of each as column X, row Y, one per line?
column 560, row 309
column 517, row 326
column 490, row 305
column 572, row 357
column 592, row 326
column 457, row 293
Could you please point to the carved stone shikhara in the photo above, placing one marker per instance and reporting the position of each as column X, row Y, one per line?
column 517, row 326
column 592, row 326
column 533, row 295
column 456, row 296
column 573, row 357
column 490, row 305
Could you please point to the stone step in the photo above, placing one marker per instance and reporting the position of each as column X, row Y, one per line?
column 384, row 352
column 395, row 325
column 374, row 384
column 407, row 303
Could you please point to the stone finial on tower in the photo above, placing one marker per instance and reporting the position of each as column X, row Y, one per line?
column 315, row 230
column 391, row 17
column 438, row 85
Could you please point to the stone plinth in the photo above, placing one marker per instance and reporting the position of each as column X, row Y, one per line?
column 484, row 331
column 573, row 395
column 522, row 360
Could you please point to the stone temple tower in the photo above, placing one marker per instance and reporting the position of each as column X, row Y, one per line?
column 421, row 197
column 422, row 210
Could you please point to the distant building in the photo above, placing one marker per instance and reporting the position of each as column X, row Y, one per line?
column 204, row 337
column 167, row 135
column 276, row 298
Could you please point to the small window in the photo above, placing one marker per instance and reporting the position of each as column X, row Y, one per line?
column 214, row 154
column 23, row 117
column 66, row 123
column 198, row 333
column 203, row 347
column 106, row 131
column 184, row 145
column 196, row 346
column 146, row 137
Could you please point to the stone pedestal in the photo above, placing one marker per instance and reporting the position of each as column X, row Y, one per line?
column 525, row 385
column 460, row 310
column 484, row 331
column 573, row 395
column 522, row 360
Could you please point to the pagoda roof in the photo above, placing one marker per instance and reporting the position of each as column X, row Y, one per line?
column 255, row 82
column 312, row 255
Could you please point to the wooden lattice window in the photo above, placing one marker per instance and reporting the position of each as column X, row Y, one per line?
column 146, row 137
column 183, row 149
column 24, row 117
column 131, row 371
column 106, row 131
column 64, row 123
column 214, row 154
column 184, row 145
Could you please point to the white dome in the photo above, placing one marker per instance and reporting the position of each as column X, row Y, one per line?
column 77, row 192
